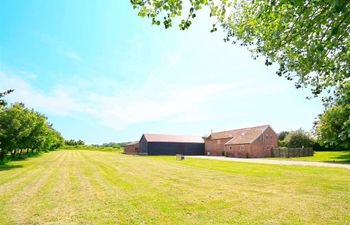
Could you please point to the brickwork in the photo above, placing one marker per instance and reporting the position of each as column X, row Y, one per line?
column 215, row 147
column 262, row 146
column 131, row 149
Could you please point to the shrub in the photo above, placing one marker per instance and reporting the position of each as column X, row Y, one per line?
column 299, row 138
column 282, row 143
column 282, row 135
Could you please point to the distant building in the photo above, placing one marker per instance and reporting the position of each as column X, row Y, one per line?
column 160, row 144
column 131, row 148
column 250, row 142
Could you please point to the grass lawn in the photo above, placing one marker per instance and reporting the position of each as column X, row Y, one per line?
column 94, row 187
column 337, row 157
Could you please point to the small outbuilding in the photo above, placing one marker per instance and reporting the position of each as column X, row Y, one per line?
column 131, row 148
column 160, row 144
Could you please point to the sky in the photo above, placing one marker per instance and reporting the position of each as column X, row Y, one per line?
column 102, row 74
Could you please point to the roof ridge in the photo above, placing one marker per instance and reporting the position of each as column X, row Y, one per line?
column 267, row 125
column 260, row 133
column 171, row 134
column 173, row 138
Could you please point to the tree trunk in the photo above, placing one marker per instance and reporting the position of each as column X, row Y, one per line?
column 2, row 155
column 13, row 153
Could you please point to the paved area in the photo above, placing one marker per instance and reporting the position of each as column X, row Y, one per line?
column 275, row 162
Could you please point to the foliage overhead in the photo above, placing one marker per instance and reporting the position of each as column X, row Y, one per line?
column 2, row 94
column 309, row 39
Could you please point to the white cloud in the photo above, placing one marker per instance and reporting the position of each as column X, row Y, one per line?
column 29, row 75
column 154, row 100
column 194, row 117
column 72, row 55
column 173, row 59
column 58, row 102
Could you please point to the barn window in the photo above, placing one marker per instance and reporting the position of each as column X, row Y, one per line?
column 230, row 147
column 242, row 147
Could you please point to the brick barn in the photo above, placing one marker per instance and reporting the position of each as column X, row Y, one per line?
column 250, row 142
column 131, row 148
column 160, row 144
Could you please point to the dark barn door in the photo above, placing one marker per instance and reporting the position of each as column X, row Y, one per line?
column 181, row 148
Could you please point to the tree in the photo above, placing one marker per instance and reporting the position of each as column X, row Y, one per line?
column 2, row 94
column 23, row 129
column 53, row 140
column 2, row 105
column 298, row 139
column 282, row 135
column 14, row 128
column 309, row 39
column 74, row 142
column 333, row 126
column 80, row 142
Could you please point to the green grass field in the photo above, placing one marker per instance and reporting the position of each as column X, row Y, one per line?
column 94, row 187
column 336, row 156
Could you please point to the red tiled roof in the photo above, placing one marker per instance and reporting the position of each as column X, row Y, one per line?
column 173, row 138
column 241, row 136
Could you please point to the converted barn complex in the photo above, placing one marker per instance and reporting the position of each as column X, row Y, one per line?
column 250, row 142
column 160, row 144
column 246, row 142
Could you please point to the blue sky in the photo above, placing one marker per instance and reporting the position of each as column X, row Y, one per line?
column 101, row 73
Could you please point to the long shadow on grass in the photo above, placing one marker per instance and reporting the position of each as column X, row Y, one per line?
column 9, row 167
column 345, row 158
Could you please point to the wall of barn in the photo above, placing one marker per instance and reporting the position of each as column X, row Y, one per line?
column 131, row 149
column 270, row 138
column 262, row 147
column 143, row 146
column 215, row 147
column 171, row 148
column 247, row 151
column 239, row 151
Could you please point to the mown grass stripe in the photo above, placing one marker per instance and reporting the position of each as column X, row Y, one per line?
column 89, row 187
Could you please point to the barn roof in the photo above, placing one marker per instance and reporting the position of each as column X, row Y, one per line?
column 241, row 136
column 173, row 138
column 132, row 143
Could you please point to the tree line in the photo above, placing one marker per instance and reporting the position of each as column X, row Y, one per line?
column 25, row 132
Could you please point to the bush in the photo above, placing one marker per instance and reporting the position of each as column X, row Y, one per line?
column 299, row 138
column 282, row 143
column 282, row 135
column 92, row 147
